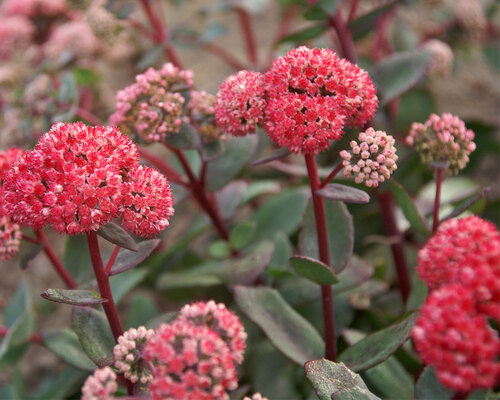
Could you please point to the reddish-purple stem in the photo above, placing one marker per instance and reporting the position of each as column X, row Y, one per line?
column 30, row 239
column 248, row 34
column 345, row 37
column 332, row 175
column 459, row 395
column 225, row 55
column 112, row 259
column 324, row 256
column 352, row 10
column 437, row 199
column 166, row 169
column 56, row 262
column 103, row 284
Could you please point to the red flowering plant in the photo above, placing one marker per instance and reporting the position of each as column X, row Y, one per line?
column 334, row 231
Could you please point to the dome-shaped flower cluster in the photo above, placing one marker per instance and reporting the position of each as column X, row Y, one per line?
column 152, row 106
column 15, row 35
column 372, row 160
column 470, row 15
column 33, row 8
column 465, row 251
column 201, row 112
column 100, row 386
column 128, row 354
column 441, row 62
column 74, row 37
column 450, row 336
column 444, row 139
column 190, row 362
column 221, row 320
column 79, row 177
column 239, row 104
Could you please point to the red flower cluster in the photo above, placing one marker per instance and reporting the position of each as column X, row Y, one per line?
column 307, row 98
column 79, row 177
column 460, row 344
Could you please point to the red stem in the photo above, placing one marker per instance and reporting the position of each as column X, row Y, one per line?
column 226, row 56
column 248, row 33
column 437, row 199
column 112, row 259
column 104, row 288
column 352, row 10
column 30, row 239
column 386, row 202
column 459, row 395
column 324, row 255
column 34, row 338
column 345, row 37
column 166, row 169
column 332, row 175
column 56, row 262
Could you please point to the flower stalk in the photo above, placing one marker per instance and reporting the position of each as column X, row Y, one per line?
column 437, row 198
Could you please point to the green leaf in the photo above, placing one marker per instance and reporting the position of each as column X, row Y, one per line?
column 365, row 23
column 117, row 235
column 356, row 272
column 230, row 197
column 259, row 188
column 14, row 343
column 237, row 153
column 314, row 270
column 275, row 155
column 123, row 283
column 76, row 257
column 409, row 208
column 75, row 297
column 398, row 73
column 185, row 139
column 308, row 33
column 281, row 213
column 184, row 280
column 28, row 252
column 127, row 259
column 67, row 90
column 85, row 76
column 322, row 10
column 340, row 234
column 429, row 387
column 415, row 105
column 20, row 303
column 142, row 310
column 290, row 333
column 94, row 335
column 492, row 55
column 64, row 343
column 378, row 346
column 212, row 149
column 347, row 194
column 335, row 381
column 219, row 249
column 8, row 392
column 58, row 388
column 242, row 234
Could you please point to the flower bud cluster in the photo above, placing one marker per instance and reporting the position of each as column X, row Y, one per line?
column 33, row 8
column 201, row 112
column 441, row 62
column 470, row 15
column 15, row 35
column 128, row 354
column 256, row 396
column 100, row 386
column 74, row 37
column 372, row 160
column 153, row 105
column 444, row 139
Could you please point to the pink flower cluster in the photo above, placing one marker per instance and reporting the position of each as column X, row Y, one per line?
column 79, row 177
column 74, row 37
column 443, row 138
column 33, row 8
column 372, row 160
column 304, row 102
column 152, row 106
column 239, row 104
column 128, row 354
column 10, row 232
column 461, row 266
column 194, row 357
column 441, row 62
column 100, row 386
column 15, row 35
column 450, row 336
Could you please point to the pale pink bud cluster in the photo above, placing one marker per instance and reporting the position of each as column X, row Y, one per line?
column 33, row 8
column 239, row 104
column 441, row 62
column 444, row 139
column 104, row 24
column 74, row 37
column 152, row 106
column 372, row 160
column 220, row 320
column 79, row 177
column 16, row 34
column 100, row 386
column 470, row 14
column 201, row 112
column 450, row 336
column 190, row 362
column 128, row 354
column 256, row 396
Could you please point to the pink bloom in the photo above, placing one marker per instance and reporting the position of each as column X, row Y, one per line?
column 72, row 180
column 240, row 103
column 459, row 344
column 441, row 62
column 465, row 251
column 147, row 202
column 443, row 138
column 191, row 362
column 75, row 37
column 372, row 160
column 152, row 106
column 221, row 320
column 100, row 386
column 33, row 8
column 15, row 35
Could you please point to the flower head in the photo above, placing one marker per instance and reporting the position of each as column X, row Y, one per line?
column 465, row 251
column 450, row 336
column 201, row 112
column 441, row 62
column 128, row 354
column 239, row 104
column 147, row 202
column 100, row 386
column 443, row 138
column 256, row 396
column 221, row 320
column 15, row 35
column 75, row 37
column 470, row 14
column 190, row 362
column 372, row 160
column 33, row 8
column 72, row 180
column 152, row 106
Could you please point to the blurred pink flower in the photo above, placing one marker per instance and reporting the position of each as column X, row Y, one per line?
column 33, row 8
column 15, row 35
column 100, row 386
column 74, row 37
